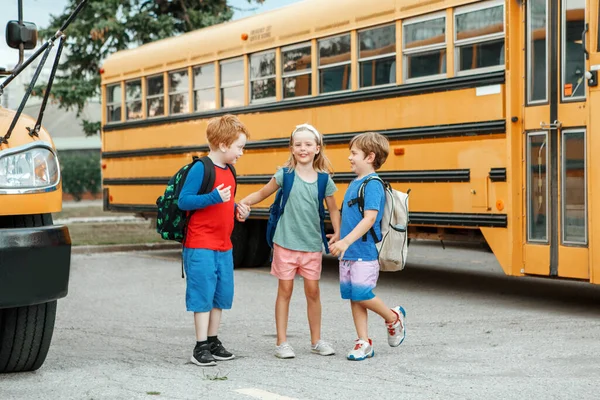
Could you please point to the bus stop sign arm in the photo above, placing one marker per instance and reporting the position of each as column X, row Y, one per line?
column 47, row 46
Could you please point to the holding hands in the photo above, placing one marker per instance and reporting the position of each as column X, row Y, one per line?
column 338, row 248
column 243, row 211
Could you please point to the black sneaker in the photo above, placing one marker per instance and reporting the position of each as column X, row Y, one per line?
column 218, row 351
column 202, row 356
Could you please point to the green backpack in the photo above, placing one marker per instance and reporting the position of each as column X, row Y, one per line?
column 171, row 221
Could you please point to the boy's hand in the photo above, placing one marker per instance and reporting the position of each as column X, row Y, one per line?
column 225, row 193
column 243, row 211
column 333, row 237
column 339, row 248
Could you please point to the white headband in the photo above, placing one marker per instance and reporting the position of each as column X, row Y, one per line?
column 309, row 128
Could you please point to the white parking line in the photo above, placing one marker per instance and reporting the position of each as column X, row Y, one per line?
column 262, row 394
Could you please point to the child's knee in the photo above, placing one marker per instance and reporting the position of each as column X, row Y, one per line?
column 285, row 290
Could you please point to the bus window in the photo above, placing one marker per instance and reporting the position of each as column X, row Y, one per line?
column 204, row 88
column 537, row 187
column 262, row 76
column 155, row 96
column 573, row 59
column 113, row 103
column 179, row 101
column 537, row 51
column 296, row 69
column 133, row 99
column 232, row 83
column 377, row 56
column 574, row 194
column 334, row 64
column 424, row 47
column 479, row 37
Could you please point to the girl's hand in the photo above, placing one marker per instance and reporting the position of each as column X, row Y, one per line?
column 243, row 211
column 333, row 237
column 339, row 248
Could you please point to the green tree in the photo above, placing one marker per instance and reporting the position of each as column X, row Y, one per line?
column 106, row 26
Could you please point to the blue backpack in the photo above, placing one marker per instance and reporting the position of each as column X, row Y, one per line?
column 281, row 198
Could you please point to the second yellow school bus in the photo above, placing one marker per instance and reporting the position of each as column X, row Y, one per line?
column 490, row 108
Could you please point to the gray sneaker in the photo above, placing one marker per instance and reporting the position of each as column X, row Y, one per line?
column 284, row 350
column 322, row 348
column 397, row 330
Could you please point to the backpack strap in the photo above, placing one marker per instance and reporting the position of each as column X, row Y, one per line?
column 360, row 200
column 209, row 175
column 322, row 181
column 232, row 169
column 288, row 182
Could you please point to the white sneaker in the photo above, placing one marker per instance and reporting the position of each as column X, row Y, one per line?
column 361, row 350
column 397, row 330
column 322, row 348
column 284, row 350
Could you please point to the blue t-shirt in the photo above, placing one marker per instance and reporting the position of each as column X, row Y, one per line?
column 351, row 216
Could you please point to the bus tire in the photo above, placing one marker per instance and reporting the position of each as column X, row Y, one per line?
column 257, row 248
column 25, row 336
column 239, row 240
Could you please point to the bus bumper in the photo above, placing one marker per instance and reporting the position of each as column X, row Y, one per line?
column 34, row 265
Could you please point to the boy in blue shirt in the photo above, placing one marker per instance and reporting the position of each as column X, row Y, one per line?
column 359, row 265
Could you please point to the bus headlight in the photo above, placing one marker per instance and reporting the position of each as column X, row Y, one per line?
column 33, row 166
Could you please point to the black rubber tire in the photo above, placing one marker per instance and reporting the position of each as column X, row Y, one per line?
column 25, row 336
column 239, row 239
column 25, row 332
column 258, row 251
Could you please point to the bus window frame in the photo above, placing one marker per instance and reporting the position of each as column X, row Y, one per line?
column 379, row 57
column 422, row 49
column 197, row 88
column 155, row 96
column 295, row 73
column 479, row 39
column 563, row 180
column 563, row 54
column 231, row 84
column 114, row 103
column 129, row 101
column 529, row 58
column 185, row 92
column 334, row 65
column 270, row 99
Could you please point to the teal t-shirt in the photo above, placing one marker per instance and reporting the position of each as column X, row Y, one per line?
column 299, row 227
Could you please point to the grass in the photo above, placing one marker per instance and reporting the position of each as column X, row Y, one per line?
column 85, row 234
column 91, row 211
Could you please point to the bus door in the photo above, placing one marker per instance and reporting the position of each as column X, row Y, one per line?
column 556, row 137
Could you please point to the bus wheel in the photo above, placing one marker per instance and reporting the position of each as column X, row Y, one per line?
column 25, row 335
column 257, row 249
column 239, row 239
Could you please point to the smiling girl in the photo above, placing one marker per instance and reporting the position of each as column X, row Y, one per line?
column 297, row 241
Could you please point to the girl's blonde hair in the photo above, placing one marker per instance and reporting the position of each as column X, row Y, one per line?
column 321, row 163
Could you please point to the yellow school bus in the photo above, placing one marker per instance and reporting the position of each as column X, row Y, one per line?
column 489, row 106
column 35, row 254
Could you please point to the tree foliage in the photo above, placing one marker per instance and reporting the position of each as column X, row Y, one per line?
column 106, row 26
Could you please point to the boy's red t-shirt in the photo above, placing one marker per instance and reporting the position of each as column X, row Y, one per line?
column 211, row 227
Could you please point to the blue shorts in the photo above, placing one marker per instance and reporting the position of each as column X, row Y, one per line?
column 209, row 279
column 358, row 279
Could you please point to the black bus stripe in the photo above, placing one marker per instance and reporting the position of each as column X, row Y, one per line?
column 413, row 89
column 446, row 175
column 438, row 131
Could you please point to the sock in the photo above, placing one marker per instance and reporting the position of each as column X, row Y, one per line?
column 212, row 339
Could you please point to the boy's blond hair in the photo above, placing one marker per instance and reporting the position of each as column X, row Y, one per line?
column 372, row 142
column 226, row 130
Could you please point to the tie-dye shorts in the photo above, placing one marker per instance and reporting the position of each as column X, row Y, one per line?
column 358, row 279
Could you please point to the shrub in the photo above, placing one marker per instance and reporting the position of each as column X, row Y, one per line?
column 80, row 174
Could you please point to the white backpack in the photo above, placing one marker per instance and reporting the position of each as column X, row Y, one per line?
column 393, row 246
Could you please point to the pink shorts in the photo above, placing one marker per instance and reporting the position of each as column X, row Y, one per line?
column 286, row 262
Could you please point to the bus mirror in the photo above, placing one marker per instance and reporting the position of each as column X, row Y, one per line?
column 25, row 34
